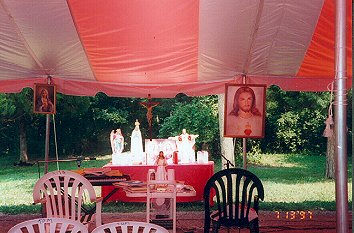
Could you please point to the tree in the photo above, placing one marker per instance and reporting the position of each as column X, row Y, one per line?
column 198, row 116
column 226, row 144
column 16, row 112
column 295, row 121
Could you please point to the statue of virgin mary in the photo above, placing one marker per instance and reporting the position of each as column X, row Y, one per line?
column 136, row 149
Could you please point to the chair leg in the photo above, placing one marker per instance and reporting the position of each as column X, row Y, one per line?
column 216, row 227
column 254, row 226
column 206, row 228
column 43, row 210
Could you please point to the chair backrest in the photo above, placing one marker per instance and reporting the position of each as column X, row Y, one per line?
column 236, row 193
column 49, row 225
column 129, row 226
column 64, row 194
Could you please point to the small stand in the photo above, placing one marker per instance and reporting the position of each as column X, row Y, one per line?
column 228, row 162
column 161, row 203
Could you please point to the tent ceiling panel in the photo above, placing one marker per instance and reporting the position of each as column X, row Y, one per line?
column 283, row 36
column 135, row 47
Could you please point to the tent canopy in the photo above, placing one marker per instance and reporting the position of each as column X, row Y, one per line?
column 132, row 48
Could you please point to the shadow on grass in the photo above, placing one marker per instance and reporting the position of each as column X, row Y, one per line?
column 20, row 209
column 141, row 207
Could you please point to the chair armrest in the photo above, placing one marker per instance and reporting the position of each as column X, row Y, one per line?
column 41, row 201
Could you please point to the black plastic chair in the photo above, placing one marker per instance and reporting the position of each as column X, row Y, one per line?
column 234, row 187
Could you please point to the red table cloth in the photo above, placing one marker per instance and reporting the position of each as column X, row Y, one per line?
column 196, row 175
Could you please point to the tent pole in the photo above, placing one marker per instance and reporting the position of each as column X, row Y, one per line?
column 352, row 125
column 244, row 144
column 46, row 147
column 341, row 181
column 244, row 140
column 47, row 134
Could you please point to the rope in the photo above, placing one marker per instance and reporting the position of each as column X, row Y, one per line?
column 330, row 109
column 328, row 132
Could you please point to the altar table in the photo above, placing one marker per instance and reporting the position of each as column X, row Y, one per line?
column 195, row 174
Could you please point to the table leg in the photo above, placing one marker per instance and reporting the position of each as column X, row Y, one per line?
column 93, row 209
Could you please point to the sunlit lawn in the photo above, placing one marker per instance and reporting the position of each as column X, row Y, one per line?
column 297, row 182
column 291, row 182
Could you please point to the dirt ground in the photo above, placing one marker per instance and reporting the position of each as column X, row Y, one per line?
column 291, row 222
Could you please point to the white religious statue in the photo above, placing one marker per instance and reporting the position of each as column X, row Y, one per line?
column 136, row 149
column 185, row 145
column 117, row 145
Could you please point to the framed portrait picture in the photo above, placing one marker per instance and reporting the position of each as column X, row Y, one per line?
column 244, row 115
column 44, row 98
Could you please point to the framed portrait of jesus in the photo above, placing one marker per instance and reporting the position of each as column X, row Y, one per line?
column 244, row 115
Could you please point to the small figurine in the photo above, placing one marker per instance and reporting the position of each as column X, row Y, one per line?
column 161, row 166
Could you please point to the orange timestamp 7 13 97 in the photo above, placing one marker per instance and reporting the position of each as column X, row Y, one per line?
column 294, row 214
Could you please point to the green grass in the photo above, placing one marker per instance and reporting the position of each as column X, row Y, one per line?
column 297, row 182
column 291, row 182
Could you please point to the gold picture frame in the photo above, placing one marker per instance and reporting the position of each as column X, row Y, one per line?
column 244, row 115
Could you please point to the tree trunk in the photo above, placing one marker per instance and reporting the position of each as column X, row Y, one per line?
column 23, row 141
column 330, row 170
column 227, row 148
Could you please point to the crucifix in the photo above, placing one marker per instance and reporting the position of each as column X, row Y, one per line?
column 149, row 105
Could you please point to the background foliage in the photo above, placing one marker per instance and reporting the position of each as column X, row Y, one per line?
column 294, row 123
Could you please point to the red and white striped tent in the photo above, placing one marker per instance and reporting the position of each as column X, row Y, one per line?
column 132, row 48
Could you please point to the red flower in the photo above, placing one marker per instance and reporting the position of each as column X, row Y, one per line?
column 180, row 138
column 189, row 137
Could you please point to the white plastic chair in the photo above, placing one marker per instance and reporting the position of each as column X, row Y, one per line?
column 49, row 225
column 130, row 226
column 64, row 194
column 159, row 190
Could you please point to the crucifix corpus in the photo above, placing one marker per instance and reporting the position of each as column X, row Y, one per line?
column 149, row 105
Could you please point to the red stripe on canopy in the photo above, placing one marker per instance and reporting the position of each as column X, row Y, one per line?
column 135, row 41
column 319, row 60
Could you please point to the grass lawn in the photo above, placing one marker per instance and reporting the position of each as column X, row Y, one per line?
column 297, row 182
column 291, row 182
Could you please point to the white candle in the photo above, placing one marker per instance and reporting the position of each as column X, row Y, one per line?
column 171, row 174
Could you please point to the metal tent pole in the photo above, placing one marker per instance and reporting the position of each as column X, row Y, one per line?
column 244, row 140
column 47, row 135
column 352, row 125
column 341, row 182
column 46, row 147
column 244, row 153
